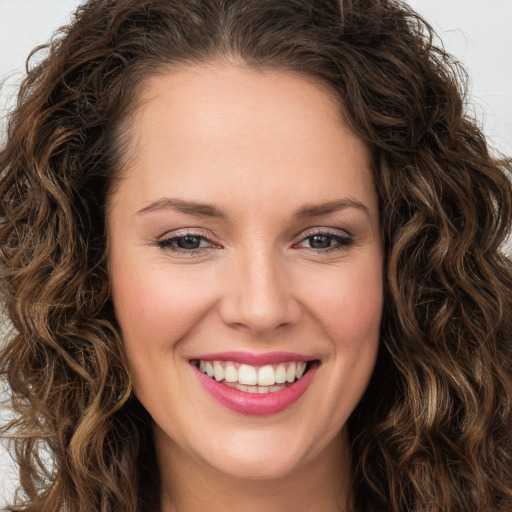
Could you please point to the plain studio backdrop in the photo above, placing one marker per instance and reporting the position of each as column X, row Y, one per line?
column 478, row 32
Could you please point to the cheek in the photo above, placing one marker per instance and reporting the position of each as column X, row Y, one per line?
column 350, row 316
column 349, row 305
column 155, row 309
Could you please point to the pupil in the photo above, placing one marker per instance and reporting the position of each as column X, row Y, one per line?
column 188, row 242
column 320, row 241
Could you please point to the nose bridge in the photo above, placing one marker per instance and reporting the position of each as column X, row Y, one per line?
column 260, row 297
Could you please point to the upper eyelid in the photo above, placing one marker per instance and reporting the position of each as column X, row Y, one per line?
column 178, row 233
column 323, row 231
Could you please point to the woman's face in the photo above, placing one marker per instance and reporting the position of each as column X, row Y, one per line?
column 245, row 242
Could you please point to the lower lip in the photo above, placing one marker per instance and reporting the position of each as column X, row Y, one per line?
column 255, row 403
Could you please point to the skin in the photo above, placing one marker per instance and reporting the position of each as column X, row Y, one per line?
column 258, row 146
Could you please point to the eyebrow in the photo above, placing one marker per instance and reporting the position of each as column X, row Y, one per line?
column 330, row 207
column 206, row 210
column 188, row 207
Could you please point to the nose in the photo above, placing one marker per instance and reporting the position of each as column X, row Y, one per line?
column 259, row 294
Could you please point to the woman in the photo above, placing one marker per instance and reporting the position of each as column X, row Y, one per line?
column 251, row 253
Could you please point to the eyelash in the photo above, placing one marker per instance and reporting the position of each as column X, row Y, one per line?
column 167, row 243
column 341, row 242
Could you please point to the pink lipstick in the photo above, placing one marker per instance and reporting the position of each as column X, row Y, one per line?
column 254, row 397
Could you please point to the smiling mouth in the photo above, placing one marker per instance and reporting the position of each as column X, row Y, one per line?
column 269, row 378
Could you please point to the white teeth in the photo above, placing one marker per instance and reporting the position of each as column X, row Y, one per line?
column 291, row 373
column 301, row 366
column 247, row 375
column 281, row 374
column 266, row 376
column 231, row 373
column 218, row 371
column 262, row 379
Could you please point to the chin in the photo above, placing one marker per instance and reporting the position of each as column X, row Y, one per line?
column 266, row 467
column 260, row 455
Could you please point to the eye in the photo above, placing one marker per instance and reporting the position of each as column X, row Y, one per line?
column 184, row 243
column 320, row 241
column 323, row 241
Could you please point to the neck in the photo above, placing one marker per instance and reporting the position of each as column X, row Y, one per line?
column 189, row 485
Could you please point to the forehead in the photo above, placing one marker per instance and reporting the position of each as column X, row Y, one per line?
column 221, row 129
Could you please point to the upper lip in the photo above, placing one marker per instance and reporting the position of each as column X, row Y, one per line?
column 254, row 359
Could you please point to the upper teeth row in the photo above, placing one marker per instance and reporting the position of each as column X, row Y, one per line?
column 253, row 375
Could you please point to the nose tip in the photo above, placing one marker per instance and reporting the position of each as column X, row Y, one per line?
column 260, row 300
column 260, row 316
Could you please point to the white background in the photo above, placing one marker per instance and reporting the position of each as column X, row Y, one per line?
column 478, row 32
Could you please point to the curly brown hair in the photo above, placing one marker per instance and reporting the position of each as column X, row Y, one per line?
column 434, row 430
